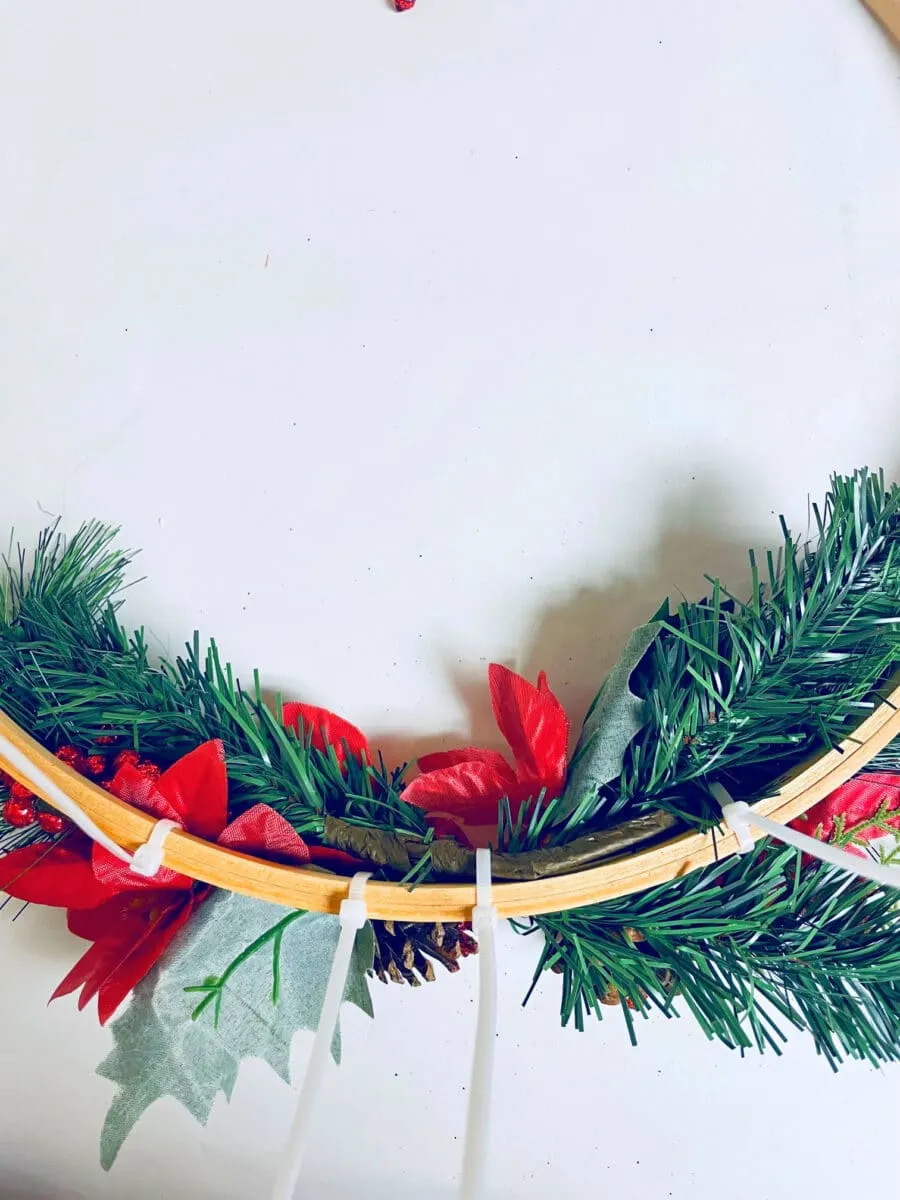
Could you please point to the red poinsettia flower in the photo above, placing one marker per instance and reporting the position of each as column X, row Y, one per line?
column 461, row 789
column 856, row 813
column 130, row 918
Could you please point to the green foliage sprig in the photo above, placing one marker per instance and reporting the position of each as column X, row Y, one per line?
column 743, row 690
column 747, row 946
column 71, row 673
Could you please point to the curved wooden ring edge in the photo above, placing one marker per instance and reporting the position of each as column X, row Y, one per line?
column 310, row 888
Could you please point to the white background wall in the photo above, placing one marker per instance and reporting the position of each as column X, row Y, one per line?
column 401, row 344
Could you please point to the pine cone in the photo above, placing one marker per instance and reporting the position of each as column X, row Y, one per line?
column 405, row 952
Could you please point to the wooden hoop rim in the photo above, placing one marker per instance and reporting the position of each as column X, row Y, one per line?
column 319, row 891
column 888, row 12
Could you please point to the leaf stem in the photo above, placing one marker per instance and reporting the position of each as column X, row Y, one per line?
column 215, row 987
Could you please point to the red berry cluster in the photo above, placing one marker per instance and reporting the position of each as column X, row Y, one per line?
column 19, row 810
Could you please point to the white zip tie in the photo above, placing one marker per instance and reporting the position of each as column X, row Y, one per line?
column 735, row 817
column 353, row 916
column 478, row 1122
column 146, row 860
column 739, row 817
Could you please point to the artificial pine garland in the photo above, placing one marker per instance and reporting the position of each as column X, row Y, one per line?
column 727, row 690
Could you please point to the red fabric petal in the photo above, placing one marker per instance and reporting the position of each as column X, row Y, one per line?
column 855, row 801
column 461, row 790
column 479, row 827
column 140, row 958
column 463, row 797
column 452, row 758
column 196, row 787
column 263, row 831
column 130, row 936
column 326, row 729
column 140, row 791
column 330, row 856
column 534, row 723
column 123, row 914
column 85, row 969
column 447, row 826
column 59, row 875
column 117, row 876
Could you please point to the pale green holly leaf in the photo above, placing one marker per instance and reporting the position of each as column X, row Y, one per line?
column 160, row 1051
column 612, row 722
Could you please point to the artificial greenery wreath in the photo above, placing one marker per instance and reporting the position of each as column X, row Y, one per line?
column 727, row 690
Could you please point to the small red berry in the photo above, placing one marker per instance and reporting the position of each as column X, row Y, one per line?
column 126, row 758
column 403, row 5
column 94, row 764
column 104, row 740
column 18, row 791
column 69, row 754
column 51, row 822
column 18, row 812
column 149, row 770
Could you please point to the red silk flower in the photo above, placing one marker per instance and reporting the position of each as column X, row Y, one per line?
column 461, row 789
column 850, row 809
column 129, row 918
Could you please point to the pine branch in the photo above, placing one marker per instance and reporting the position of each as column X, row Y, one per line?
column 12, row 838
column 750, row 944
column 884, row 820
column 70, row 673
column 743, row 690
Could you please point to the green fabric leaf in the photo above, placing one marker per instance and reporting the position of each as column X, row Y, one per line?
column 613, row 719
column 160, row 1051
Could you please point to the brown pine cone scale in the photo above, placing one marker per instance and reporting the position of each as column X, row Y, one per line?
column 405, row 952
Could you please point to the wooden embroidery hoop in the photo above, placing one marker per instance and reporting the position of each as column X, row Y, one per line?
column 888, row 12
column 319, row 891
